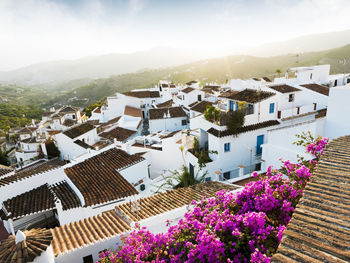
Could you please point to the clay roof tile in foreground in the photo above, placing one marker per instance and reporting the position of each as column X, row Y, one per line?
column 98, row 179
column 5, row 170
column 87, row 231
column 319, row 228
column 164, row 202
column 42, row 199
column 31, row 170
column 166, row 104
column 37, row 241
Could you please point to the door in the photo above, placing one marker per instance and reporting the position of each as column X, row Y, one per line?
column 191, row 170
column 259, row 142
column 231, row 105
column 279, row 114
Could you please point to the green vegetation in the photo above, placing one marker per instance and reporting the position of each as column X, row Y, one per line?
column 17, row 115
column 92, row 106
column 3, row 158
column 212, row 114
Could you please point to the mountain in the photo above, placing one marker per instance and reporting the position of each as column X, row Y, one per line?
column 58, row 72
column 55, row 73
column 211, row 70
column 307, row 43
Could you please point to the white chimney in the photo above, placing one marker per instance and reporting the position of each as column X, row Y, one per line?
column 20, row 236
column 240, row 170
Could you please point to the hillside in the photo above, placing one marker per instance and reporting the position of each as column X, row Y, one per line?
column 220, row 70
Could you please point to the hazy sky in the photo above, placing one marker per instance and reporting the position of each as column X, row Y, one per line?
column 33, row 31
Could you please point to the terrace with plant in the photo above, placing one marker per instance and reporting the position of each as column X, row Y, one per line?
column 246, row 226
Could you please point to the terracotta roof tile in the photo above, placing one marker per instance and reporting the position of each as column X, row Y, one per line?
column 37, row 241
column 191, row 82
column 119, row 133
column 166, row 104
column 36, row 168
column 249, row 95
column 187, row 90
column 78, row 130
column 5, row 170
column 266, row 79
column 131, row 111
column 68, row 109
column 201, row 106
column 317, row 88
column 83, row 144
column 321, row 113
column 87, row 231
column 174, row 112
column 69, row 122
column 319, row 228
column 164, row 202
column 98, row 179
column 244, row 129
column 142, row 94
column 284, row 88
column 42, row 199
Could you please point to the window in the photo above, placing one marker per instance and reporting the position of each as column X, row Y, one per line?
column 184, row 122
column 73, row 116
column 207, row 179
column 272, row 107
column 88, row 259
column 227, row 147
column 311, row 76
column 291, row 97
column 250, row 109
column 227, row 175
column 257, row 166
column 199, row 97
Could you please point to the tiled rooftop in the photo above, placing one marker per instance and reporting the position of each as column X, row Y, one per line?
column 191, row 82
column 78, row 130
column 249, row 95
column 201, row 106
column 187, row 90
column 244, row 129
column 317, row 88
column 41, row 199
column 37, row 241
column 36, row 168
column 284, row 88
column 174, row 112
column 131, row 111
column 165, row 104
column 119, row 133
column 87, row 231
column 69, row 109
column 83, row 144
column 4, row 170
column 98, row 179
column 143, row 94
column 319, row 229
column 164, row 202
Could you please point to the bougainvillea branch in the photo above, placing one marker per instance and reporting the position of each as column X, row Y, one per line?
column 246, row 226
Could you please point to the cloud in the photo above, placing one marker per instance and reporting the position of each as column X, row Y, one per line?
column 136, row 6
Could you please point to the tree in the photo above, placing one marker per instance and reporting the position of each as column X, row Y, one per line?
column 212, row 114
column 3, row 158
column 278, row 71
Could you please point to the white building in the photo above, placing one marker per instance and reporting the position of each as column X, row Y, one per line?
column 167, row 119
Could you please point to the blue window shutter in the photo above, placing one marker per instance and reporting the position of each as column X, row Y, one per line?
column 272, row 107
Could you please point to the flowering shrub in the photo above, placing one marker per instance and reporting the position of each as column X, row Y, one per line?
column 231, row 227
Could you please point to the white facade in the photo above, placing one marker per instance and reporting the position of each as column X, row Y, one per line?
column 167, row 124
column 338, row 121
